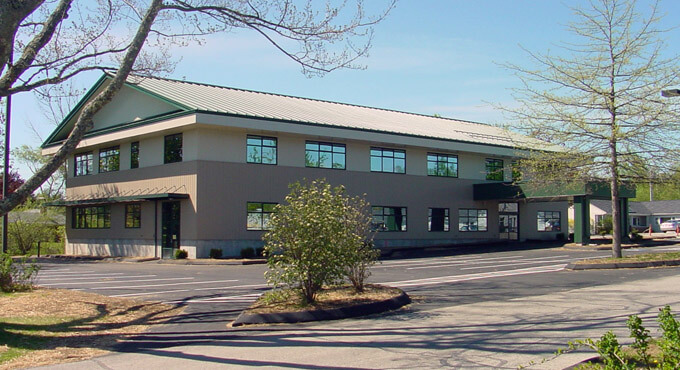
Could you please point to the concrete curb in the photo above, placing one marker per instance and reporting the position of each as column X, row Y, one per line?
column 622, row 265
column 214, row 262
column 321, row 315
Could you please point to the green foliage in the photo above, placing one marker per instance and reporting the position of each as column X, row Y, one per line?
column 641, row 338
column 635, row 236
column 248, row 252
column 670, row 339
column 181, row 254
column 319, row 237
column 215, row 253
column 605, row 225
column 16, row 276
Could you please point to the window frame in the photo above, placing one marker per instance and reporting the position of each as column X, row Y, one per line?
column 133, row 220
column 173, row 157
column 332, row 153
column 437, row 163
column 404, row 219
column 134, row 154
column 262, row 212
column 383, row 157
column 546, row 219
column 470, row 217
column 90, row 215
column 262, row 145
column 493, row 171
column 106, row 156
column 447, row 220
column 89, row 161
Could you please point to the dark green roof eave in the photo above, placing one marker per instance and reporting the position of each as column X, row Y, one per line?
column 111, row 200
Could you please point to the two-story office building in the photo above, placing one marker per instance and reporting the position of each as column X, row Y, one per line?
column 174, row 164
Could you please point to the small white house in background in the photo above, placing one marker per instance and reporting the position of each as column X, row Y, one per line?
column 641, row 214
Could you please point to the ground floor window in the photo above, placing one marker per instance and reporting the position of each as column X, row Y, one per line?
column 133, row 216
column 98, row 217
column 549, row 221
column 472, row 219
column 389, row 218
column 438, row 219
column 259, row 215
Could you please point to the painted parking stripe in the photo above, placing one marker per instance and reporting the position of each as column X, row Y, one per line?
column 448, row 261
column 114, row 281
column 96, row 277
column 517, row 264
column 244, row 298
column 480, row 262
column 69, row 273
column 235, row 287
column 150, row 293
column 128, row 287
column 477, row 276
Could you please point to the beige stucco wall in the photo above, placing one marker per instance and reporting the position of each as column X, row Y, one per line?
column 129, row 105
column 528, row 220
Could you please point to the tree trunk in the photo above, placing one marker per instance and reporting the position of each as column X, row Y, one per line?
column 616, row 205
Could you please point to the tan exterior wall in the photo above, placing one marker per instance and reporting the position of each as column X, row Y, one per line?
column 528, row 220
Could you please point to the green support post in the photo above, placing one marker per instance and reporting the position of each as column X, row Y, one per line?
column 625, row 226
column 582, row 220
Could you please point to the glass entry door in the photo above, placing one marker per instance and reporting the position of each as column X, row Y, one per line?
column 170, row 228
column 508, row 221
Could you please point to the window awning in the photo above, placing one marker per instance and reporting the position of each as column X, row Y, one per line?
column 549, row 192
column 123, row 199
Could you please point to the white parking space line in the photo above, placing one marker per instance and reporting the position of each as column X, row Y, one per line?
column 518, row 264
column 117, row 276
column 114, row 281
column 440, row 262
column 245, row 298
column 67, row 273
column 150, row 293
column 235, row 287
column 477, row 276
column 128, row 287
column 487, row 261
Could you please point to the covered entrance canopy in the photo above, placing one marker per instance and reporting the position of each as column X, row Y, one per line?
column 86, row 201
column 578, row 193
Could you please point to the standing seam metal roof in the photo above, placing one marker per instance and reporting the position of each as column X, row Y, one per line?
column 255, row 104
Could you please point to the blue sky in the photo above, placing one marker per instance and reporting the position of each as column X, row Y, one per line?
column 428, row 56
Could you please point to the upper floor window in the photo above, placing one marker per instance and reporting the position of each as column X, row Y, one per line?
column 173, row 148
column 134, row 155
column 325, row 155
column 109, row 159
column 438, row 219
column 549, row 221
column 442, row 165
column 261, row 149
column 494, row 169
column 98, row 217
column 472, row 220
column 389, row 218
column 133, row 216
column 259, row 215
column 388, row 160
column 82, row 164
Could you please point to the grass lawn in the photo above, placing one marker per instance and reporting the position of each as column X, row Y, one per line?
column 47, row 326
column 646, row 257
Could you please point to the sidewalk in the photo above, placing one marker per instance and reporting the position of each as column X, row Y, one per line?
column 497, row 334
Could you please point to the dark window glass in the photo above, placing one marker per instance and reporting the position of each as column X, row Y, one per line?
column 82, row 164
column 388, row 160
column 98, row 217
column 134, row 155
column 438, row 219
column 259, row 215
column 442, row 165
column 494, row 169
column 549, row 221
column 472, row 220
column 325, row 155
column 109, row 159
column 261, row 149
column 133, row 216
column 389, row 218
column 173, row 148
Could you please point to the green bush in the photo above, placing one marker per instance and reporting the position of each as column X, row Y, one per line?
column 16, row 276
column 635, row 236
column 181, row 254
column 319, row 237
column 248, row 252
column 605, row 225
column 215, row 253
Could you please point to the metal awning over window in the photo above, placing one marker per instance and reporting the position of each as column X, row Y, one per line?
column 123, row 199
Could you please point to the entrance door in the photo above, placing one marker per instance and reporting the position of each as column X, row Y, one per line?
column 170, row 229
column 508, row 221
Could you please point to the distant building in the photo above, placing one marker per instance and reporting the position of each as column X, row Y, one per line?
column 641, row 214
